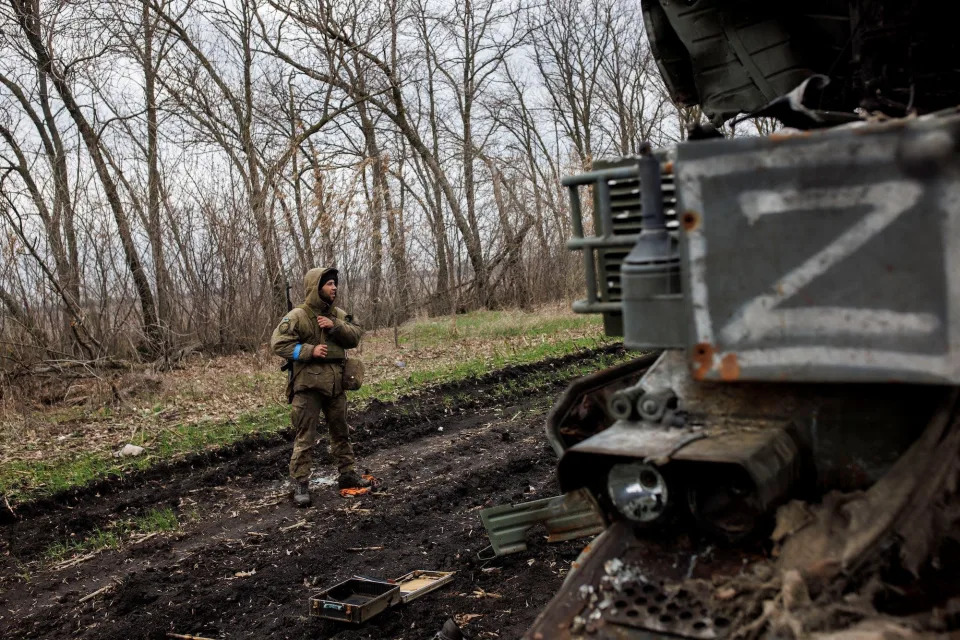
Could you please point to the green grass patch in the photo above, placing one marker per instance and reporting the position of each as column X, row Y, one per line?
column 21, row 481
column 189, row 438
column 156, row 520
column 390, row 390
column 492, row 324
column 113, row 536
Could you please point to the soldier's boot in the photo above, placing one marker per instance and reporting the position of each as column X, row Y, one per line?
column 301, row 494
column 352, row 480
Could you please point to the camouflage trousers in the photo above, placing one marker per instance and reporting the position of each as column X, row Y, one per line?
column 307, row 406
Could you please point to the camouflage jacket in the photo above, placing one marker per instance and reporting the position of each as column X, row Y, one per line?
column 298, row 333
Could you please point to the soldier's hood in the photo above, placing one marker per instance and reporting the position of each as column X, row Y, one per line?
column 311, row 289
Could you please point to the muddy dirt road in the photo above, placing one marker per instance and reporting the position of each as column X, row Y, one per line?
column 244, row 561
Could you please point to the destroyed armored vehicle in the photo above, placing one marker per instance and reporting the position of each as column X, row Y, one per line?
column 782, row 456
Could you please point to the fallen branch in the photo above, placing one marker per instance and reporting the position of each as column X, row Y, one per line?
column 180, row 636
column 93, row 595
column 6, row 502
column 74, row 561
column 295, row 525
column 145, row 538
column 60, row 367
column 356, row 508
column 270, row 500
column 364, row 548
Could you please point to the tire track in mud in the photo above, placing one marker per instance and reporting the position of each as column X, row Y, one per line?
column 488, row 453
column 76, row 513
column 419, row 528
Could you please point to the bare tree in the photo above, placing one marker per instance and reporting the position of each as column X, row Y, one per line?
column 571, row 40
column 165, row 165
column 31, row 25
column 337, row 36
column 236, row 136
column 633, row 108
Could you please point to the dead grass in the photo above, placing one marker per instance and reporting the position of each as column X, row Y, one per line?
column 98, row 416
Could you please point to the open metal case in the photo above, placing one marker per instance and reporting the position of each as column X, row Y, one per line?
column 358, row 599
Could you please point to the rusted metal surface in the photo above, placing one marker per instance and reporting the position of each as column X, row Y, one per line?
column 870, row 211
column 690, row 220
column 555, row 621
column 625, row 566
column 729, row 368
column 851, row 433
column 623, row 440
column 567, row 517
column 701, row 360
column 655, row 605
column 581, row 410
column 826, row 436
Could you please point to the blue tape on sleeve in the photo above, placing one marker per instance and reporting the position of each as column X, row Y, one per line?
column 296, row 351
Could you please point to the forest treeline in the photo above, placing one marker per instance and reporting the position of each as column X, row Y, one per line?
column 167, row 166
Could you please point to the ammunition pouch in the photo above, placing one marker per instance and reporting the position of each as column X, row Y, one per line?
column 352, row 374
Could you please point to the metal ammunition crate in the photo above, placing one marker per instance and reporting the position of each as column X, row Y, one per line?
column 354, row 600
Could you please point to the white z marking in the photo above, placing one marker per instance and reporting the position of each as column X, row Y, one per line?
column 761, row 317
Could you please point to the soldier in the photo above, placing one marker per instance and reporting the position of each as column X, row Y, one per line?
column 315, row 336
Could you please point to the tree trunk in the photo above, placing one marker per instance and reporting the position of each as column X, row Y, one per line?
column 382, row 206
column 307, row 261
column 266, row 232
column 27, row 14
column 154, row 228
column 375, row 290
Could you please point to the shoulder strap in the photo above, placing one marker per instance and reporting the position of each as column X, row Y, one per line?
column 304, row 308
column 300, row 313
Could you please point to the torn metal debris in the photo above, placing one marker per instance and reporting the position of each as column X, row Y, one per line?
column 566, row 517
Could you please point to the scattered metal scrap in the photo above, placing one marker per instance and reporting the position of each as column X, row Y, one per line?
column 625, row 597
column 567, row 517
column 361, row 598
